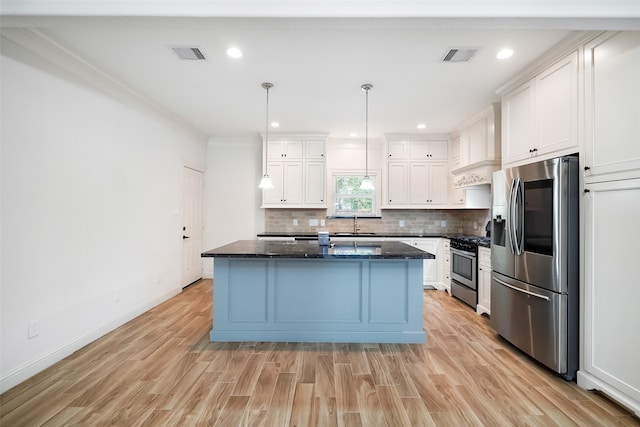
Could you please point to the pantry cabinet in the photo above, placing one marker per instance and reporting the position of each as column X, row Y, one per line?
column 417, row 173
column 611, row 200
column 540, row 116
column 296, row 165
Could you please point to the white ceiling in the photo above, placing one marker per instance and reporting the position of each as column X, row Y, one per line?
column 317, row 66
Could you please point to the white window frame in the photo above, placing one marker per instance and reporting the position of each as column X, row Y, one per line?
column 373, row 174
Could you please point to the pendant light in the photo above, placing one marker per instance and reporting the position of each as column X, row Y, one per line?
column 367, row 183
column 265, row 182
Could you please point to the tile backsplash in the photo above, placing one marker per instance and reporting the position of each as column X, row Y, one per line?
column 421, row 221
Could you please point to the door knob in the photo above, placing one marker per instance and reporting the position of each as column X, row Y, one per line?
column 184, row 237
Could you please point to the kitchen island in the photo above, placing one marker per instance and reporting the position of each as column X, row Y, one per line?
column 300, row 291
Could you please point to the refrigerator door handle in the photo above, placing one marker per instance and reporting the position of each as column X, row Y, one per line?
column 511, row 217
column 518, row 209
column 533, row 294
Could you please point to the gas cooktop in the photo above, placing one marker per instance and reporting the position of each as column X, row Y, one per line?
column 472, row 239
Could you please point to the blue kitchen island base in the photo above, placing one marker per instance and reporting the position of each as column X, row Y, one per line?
column 356, row 300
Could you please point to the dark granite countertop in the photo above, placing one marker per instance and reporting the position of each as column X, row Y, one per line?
column 347, row 234
column 311, row 249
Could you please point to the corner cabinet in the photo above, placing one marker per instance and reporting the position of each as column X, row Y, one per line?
column 540, row 117
column 417, row 172
column 296, row 165
column 610, row 348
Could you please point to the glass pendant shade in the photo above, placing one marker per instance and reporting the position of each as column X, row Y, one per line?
column 366, row 183
column 265, row 182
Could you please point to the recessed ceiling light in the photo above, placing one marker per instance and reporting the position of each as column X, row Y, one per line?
column 234, row 52
column 421, row 126
column 353, row 134
column 504, row 53
column 275, row 124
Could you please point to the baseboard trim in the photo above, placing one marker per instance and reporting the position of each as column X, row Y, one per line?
column 587, row 381
column 33, row 367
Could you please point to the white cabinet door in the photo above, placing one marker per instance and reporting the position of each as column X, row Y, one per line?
column 484, row 281
column 397, row 183
column 613, row 106
column 430, row 269
column 419, row 183
column 438, row 183
column 518, row 123
column 287, row 184
column 540, row 118
column 438, row 150
column 315, row 183
column 428, row 149
column 314, row 149
column 446, row 265
column 397, row 150
column 557, row 106
column 293, row 176
column 285, row 149
column 611, row 348
column 274, row 196
column 476, row 147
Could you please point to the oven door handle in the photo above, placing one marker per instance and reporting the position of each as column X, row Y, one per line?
column 533, row 294
column 463, row 253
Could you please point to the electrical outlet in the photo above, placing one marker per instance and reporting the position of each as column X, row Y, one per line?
column 443, row 224
column 34, row 329
column 295, row 222
column 475, row 225
column 401, row 223
column 313, row 223
column 322, row 223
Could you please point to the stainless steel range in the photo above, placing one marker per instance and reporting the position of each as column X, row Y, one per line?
column 464, row 269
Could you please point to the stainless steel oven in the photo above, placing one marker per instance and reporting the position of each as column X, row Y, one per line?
column 464, row 280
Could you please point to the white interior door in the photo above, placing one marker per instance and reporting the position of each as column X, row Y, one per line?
column 192, row 227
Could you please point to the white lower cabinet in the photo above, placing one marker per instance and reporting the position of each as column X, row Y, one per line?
column 432, row 273
column 484, row 281
column 446, row 265
column 611, row 348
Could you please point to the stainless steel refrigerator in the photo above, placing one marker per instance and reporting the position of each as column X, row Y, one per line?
column 535, row 261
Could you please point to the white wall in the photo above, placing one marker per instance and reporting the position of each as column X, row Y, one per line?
column 90, row 207
column 232, row 198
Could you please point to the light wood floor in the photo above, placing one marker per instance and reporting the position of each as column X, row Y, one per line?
column 161, row 369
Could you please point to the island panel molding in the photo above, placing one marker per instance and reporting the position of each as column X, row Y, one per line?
column 302, row 292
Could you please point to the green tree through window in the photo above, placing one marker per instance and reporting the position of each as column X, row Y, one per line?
column 350, row 199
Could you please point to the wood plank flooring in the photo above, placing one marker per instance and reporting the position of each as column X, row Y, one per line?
column 160, row 369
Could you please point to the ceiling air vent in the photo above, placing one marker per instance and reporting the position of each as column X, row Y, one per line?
column 462, row 54
column 188, row 53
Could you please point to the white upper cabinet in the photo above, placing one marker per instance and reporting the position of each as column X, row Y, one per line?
column 296, row 165
column 286, row 149
column 417, row 172
column 314, row 149
column 540, row 117
column 612, row 70
column 479, row 150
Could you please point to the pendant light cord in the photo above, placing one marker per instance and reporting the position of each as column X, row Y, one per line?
column 366, row 135
column 266, row 86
